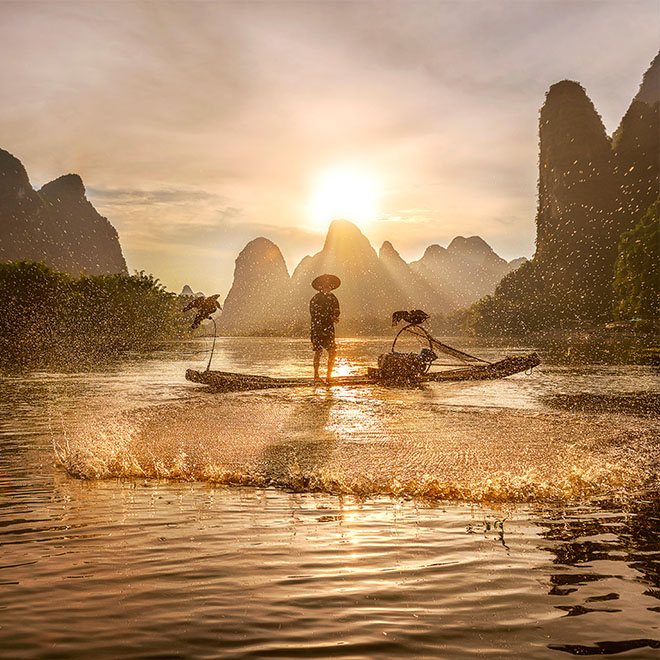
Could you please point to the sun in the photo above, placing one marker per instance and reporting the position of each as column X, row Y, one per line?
column 344, row 193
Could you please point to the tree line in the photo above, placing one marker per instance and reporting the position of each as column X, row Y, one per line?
column 51, row 317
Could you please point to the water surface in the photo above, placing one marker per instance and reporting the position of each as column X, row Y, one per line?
column 505, row 519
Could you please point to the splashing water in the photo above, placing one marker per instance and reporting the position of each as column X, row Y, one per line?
column 367, row 442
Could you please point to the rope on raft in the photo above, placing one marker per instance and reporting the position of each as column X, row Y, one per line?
column 215, row 332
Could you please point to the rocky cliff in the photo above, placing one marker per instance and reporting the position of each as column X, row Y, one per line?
column 23, row 221
column 259, row 301
column 591, row 190
column 57, row 225
column 577, row 199
column 85, row 240
column 636, row 144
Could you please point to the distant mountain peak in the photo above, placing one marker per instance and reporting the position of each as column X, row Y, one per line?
column 391, row 259
column 649, row 90
column 568, row 105
column 516, row 263
column 260, row 253
column 58, row 225
column 434, row 251
column 566, row 100
column 68, row 186
column 568, row 88
column 343, row 230
column 187, row 291
column 261, row 244
column 387, row 250
column 572, row 137
column 472, row 244
column 12, row 173
column 641, row 110
column 343, row 225
column 260, row 290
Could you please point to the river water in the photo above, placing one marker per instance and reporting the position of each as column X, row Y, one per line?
column 143, row 517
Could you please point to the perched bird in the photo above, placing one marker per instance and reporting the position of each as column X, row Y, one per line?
column 414, row 316
column 204, row 306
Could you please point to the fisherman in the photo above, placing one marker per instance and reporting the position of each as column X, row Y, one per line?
column 324, row 311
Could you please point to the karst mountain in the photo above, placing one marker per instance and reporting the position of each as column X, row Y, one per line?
column 264, row 300
column 592, row 190
column 56, row 224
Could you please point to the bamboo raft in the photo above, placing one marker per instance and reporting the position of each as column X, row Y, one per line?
column 224, row 381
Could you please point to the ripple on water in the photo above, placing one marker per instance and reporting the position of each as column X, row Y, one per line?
column 144, row 567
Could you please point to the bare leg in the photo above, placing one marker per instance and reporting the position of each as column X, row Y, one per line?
column 332, row 354
column 317, row 362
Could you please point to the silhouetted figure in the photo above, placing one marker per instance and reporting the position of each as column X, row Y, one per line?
column 324, row 311
column 204, row 306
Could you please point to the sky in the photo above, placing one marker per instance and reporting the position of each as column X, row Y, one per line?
column 198, row 126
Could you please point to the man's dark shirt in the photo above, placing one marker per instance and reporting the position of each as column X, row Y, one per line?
column 323, row 308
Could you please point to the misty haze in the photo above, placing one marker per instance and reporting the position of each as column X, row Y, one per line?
column 329, row 329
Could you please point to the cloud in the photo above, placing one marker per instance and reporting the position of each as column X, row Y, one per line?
column 197, row 126
column 139, row 197
column 194, row 231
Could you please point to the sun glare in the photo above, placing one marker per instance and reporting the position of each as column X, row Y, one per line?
column 343, row 193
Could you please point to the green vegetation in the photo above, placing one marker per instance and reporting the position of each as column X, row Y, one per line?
column 534, row 299
column 518, row 306
column 636, row 272
column 52, row 318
